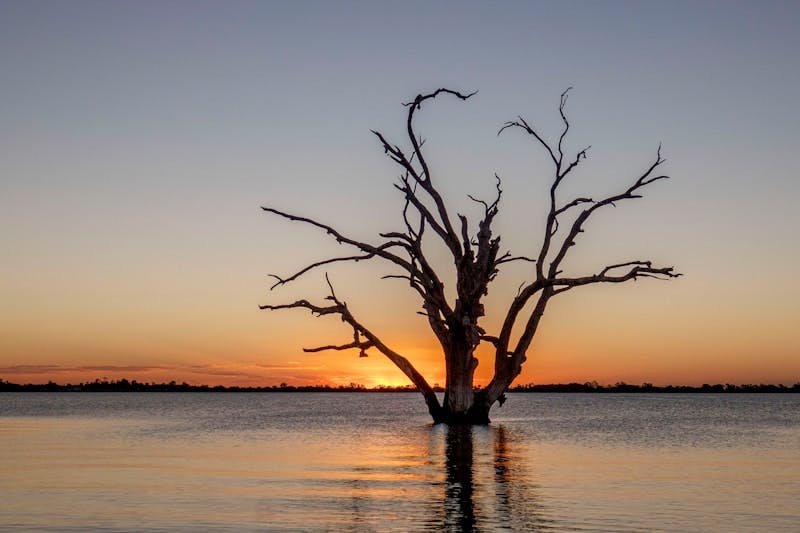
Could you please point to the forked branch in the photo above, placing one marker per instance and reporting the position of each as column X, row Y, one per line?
column 438, row 218
column 637, row 269
column 369, row 249
column 632, row 192
column 370, row 340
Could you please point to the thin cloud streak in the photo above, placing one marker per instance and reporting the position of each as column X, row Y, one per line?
column 233, row 374
column 49, row 369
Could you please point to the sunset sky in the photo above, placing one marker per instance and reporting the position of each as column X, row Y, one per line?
column 138, row 141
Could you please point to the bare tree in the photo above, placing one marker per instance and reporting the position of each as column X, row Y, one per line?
column 477, row 259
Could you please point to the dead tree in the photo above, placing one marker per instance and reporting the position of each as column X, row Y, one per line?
column 477, row 258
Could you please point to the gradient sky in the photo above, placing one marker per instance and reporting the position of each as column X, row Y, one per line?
column 138, row 140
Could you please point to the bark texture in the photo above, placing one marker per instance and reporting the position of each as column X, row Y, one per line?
column 476, row 260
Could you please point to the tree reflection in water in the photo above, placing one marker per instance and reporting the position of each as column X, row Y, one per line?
column 486, row 486
column 452, row 478
column 502, row 474
column 459, row 504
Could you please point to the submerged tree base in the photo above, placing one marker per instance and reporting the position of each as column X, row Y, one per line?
column 476, row 415
column 463, row 419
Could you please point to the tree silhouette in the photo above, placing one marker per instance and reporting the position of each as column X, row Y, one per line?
column 477, row 258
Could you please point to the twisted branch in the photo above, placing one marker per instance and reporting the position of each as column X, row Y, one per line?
column 340, row 308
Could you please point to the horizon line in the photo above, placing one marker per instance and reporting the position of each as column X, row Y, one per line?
column 125, row 385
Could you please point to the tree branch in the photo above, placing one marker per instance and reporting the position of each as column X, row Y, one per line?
column 422, row 209
column 362, row 347
column 547, row 284
column 564, row 97
column 443, row 225
column 369, row 249
column 508, row 363
column 552, row 224
column 637, row 269
column 340, row 308
column 416, row 105
column 354, row 258
column 520, row 123
column 508, row 258
column 631, row 192
column 573, row 203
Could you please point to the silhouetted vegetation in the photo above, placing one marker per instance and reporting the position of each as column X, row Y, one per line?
column 649, row 387
column 124, row 385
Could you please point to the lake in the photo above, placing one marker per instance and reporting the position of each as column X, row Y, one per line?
column 373, row 462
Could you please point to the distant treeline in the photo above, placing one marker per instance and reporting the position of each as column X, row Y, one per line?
column 649, row 387
column 123, row 385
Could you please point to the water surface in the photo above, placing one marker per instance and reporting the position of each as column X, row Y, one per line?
column 367, row 462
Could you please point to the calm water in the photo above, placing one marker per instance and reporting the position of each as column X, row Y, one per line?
column 365, row 462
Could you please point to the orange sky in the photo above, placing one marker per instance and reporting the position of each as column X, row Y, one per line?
column 585, row 336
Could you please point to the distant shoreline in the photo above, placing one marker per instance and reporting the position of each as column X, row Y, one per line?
column 123, row 385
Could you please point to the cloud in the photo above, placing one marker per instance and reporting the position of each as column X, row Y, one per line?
column 296, row 372
column 30, row 369
column 290, row 365
column 115, row 368
column 220, row 372
column 59, row 369
column 287, row 371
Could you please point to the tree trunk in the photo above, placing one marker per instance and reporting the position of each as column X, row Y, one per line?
column 459, row 394
column 462, row 404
